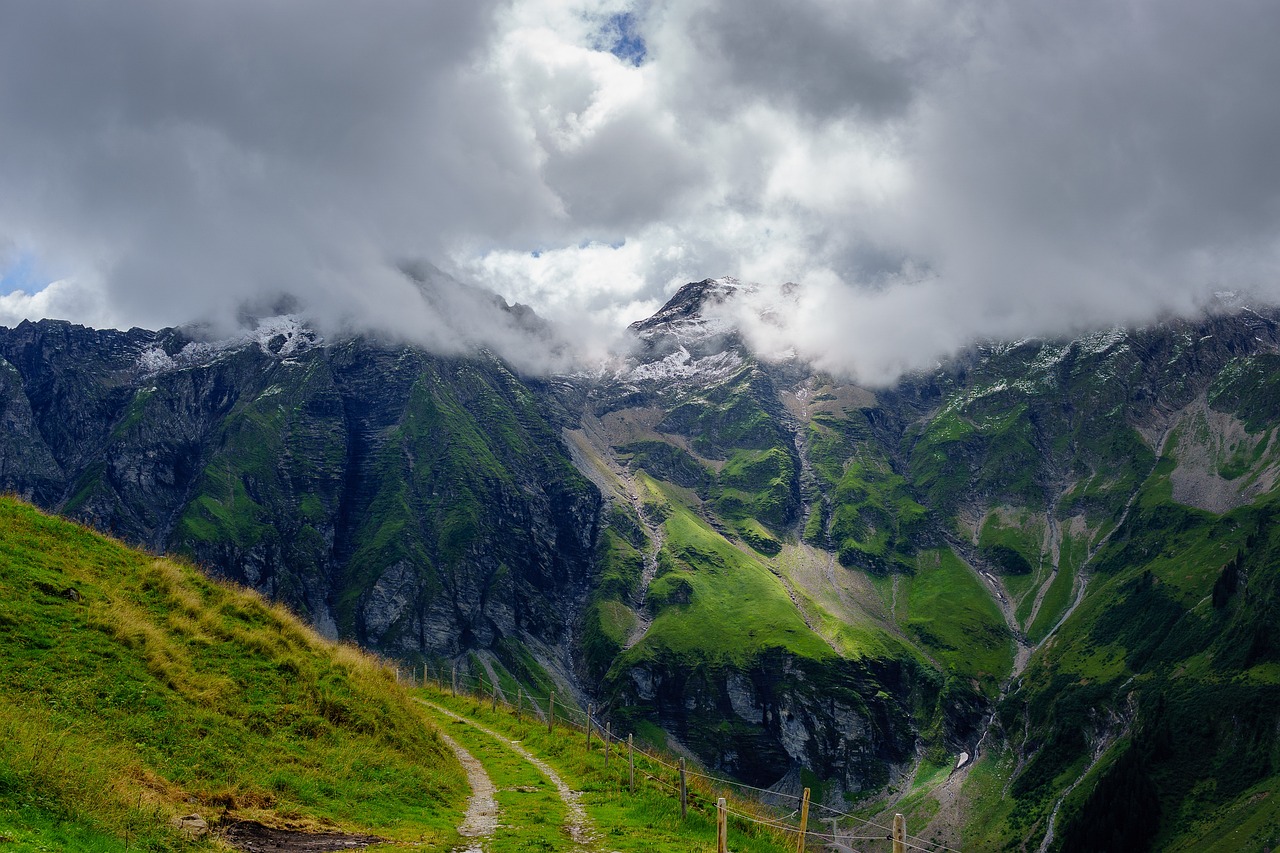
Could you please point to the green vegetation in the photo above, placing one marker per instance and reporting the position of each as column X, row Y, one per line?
column 609, row 618
column 735, row 414
column 1250, row 388
column 736, row 422
column 941, row 459
column 471, row 437
column 647, row 821
column 136, row 689
column 667, row 462
column 283, row 444
column 1072, row 552
column 715, row 602
column 871, row 520
column 1012, row 549
column 1171, row 658
column 532, row 814
column 756, row 486
column 950, row 613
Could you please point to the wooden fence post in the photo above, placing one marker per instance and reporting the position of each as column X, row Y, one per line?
column 899, row 834
column 684, row 793
column 551, row 711
column 631, row 762
column 804, row 820
column 519, row 702
column 590, row 709
column 455, row 680
column 607, row 735
column 494, row 707
column 722, row 826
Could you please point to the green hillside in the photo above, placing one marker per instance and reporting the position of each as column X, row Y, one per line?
column 136, row 690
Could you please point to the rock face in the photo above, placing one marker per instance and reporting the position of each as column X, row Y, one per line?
column 421, row 505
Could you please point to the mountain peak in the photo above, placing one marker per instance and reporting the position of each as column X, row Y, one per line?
column 689, row 302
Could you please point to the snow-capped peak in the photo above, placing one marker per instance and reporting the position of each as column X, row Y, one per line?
column 282, row 336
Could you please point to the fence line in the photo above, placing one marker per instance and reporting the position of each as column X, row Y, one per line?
column 574, row 717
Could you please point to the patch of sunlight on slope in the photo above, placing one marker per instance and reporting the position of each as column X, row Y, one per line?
column 715, row 602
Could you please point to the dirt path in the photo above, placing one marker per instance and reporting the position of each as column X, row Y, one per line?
column 482, row 809
column 253, row 837
column 581, row 828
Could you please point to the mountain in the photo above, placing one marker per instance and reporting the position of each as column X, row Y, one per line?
column 314, row 473
column 985, row 596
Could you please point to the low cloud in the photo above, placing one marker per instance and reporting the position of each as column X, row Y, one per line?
column 930, row 172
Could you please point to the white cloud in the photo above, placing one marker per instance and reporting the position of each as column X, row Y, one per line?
column 62, row 298
column 932, row 171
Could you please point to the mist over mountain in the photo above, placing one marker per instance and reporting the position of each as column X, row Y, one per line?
column 933, row 173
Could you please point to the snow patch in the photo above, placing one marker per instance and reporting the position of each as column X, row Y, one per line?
column 280, row 337
column 1099, row 342
column 680, row 365
column 155, row 360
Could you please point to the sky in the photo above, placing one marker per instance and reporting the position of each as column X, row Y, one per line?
column 930, row 173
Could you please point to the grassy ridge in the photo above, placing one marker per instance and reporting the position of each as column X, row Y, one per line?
column 714, row 602
column 153, row 691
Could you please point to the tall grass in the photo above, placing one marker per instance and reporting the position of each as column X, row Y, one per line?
column 154, row 692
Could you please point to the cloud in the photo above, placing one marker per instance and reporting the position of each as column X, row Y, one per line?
column 932, row 172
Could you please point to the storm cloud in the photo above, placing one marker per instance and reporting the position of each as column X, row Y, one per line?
column 930, row 172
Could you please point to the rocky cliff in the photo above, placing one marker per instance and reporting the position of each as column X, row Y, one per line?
column 421, row 505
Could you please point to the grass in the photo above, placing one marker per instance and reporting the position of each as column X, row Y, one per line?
column 873, row 519
column 532, row 814
column 756, row 484
column 158, row 692
column 1056, row 600
column 1198, row 676
column 647, row 821
column 855, row 633
column 1250, row 822
column 718, row 604
column 952, row 616
column 1013, row 544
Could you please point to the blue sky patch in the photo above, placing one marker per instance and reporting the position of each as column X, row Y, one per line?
column 23, row 273
column 623, row 40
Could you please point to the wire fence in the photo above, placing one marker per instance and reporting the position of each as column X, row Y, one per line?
column 556, row 709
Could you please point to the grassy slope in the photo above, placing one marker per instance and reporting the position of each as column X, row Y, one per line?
column 645, row 822
column 715, row 602
column 870, row 518
column 950, row 613
column 161, row 692
column 1148, row 663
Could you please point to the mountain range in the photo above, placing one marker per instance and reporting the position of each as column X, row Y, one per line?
column 1027, row 598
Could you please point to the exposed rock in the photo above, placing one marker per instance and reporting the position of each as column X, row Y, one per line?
column 192, row 825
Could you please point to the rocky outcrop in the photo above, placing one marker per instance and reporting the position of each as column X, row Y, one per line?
column 757, row 722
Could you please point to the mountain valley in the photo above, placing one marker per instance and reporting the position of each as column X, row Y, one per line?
column 1027, row 599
